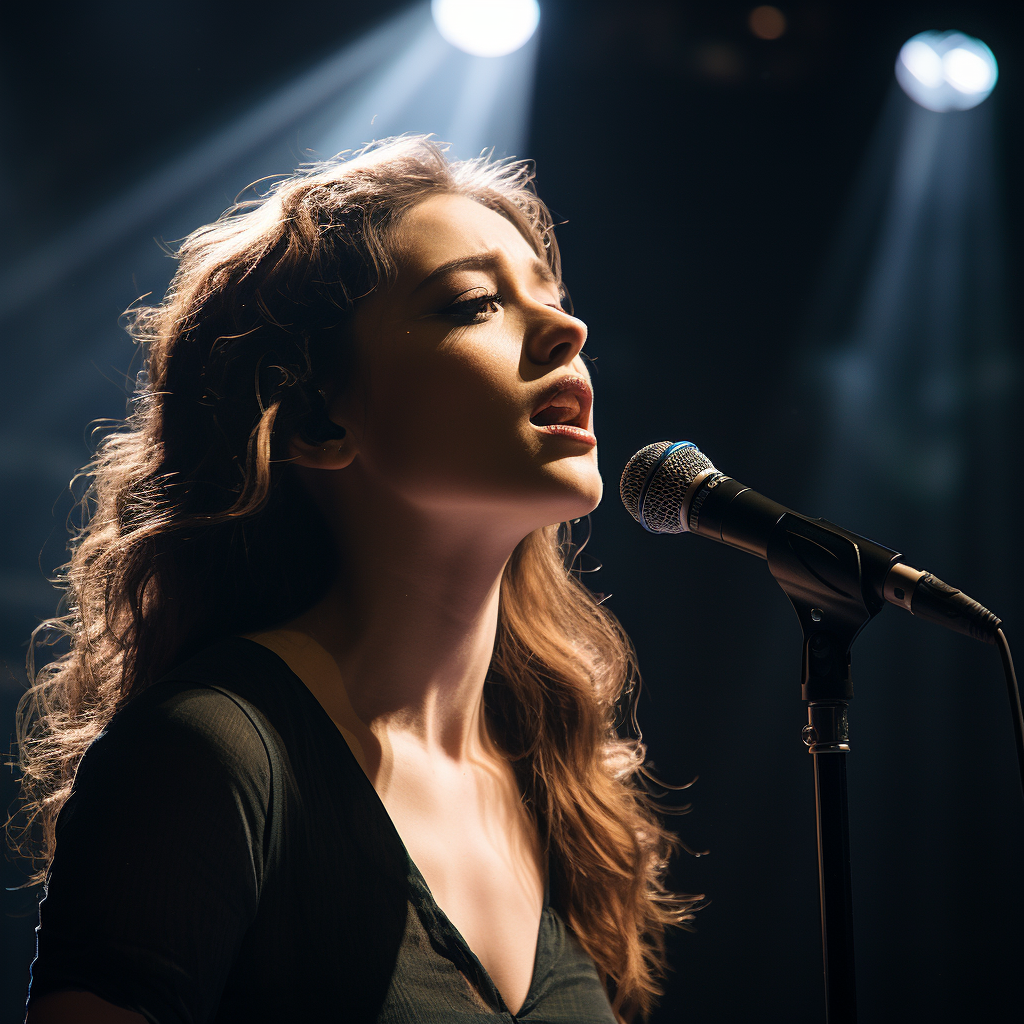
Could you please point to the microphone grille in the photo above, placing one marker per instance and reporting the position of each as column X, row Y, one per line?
column 655, row 481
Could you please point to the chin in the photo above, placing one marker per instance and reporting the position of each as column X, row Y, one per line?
column 580, row 493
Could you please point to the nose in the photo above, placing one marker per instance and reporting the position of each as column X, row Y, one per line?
column 554, row 338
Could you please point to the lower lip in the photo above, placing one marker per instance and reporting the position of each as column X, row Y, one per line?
column 565, row 430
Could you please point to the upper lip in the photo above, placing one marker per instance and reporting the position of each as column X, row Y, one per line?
column 574, row 388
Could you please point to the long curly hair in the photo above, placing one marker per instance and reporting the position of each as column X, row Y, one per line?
column 195, row 527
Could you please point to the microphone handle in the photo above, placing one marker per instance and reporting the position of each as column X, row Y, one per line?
column 722, row 509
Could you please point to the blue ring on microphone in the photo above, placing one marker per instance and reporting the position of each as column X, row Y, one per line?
column 658, row 462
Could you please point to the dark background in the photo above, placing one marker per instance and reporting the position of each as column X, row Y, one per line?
column 706, row 177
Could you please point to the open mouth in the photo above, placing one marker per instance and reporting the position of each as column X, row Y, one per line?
column 566, row 403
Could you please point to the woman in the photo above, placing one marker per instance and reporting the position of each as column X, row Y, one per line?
column 350, row 720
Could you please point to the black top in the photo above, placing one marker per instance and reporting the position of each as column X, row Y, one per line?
column 224, row 858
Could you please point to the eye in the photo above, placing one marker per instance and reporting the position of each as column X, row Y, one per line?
column 474, row 310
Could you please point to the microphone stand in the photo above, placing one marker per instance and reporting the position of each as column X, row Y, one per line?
column 837, row 582
column 820, row 572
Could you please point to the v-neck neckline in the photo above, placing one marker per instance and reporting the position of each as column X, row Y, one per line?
column 439, row 920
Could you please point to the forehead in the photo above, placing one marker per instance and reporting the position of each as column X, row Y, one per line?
column 445, row 227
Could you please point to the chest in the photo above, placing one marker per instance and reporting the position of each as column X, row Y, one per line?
column 479, row 853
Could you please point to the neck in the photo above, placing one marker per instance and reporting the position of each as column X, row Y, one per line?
column 411, row 622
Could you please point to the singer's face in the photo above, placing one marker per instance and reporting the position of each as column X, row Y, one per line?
column 457, row 359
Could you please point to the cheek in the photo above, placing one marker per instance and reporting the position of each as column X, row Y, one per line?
column 453, row 407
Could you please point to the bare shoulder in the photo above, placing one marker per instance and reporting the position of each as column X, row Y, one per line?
column 79, row 1008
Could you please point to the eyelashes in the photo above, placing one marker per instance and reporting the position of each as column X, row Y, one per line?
column 479, row 308
column 474, row 310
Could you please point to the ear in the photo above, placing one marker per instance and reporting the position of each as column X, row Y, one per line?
column 335, row 451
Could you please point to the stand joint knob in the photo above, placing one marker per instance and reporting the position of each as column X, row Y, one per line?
column 828, row 728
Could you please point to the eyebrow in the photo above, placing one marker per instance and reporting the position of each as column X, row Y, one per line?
column 483, row 261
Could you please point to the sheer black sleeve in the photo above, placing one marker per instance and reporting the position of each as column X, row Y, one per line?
column 159, row 857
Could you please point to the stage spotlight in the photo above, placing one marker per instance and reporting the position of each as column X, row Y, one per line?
column 486, row 28
column 946, row 70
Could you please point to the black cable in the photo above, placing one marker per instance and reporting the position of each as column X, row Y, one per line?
column 1014, row 695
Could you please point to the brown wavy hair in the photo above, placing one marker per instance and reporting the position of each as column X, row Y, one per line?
column 195, row 527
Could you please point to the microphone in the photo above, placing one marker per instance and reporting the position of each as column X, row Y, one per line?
column 673, row 487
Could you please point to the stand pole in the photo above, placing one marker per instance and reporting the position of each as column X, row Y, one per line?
column 820, row 572
column 834, row 876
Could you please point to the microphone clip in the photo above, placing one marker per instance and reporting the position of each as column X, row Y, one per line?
column 820, row 569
